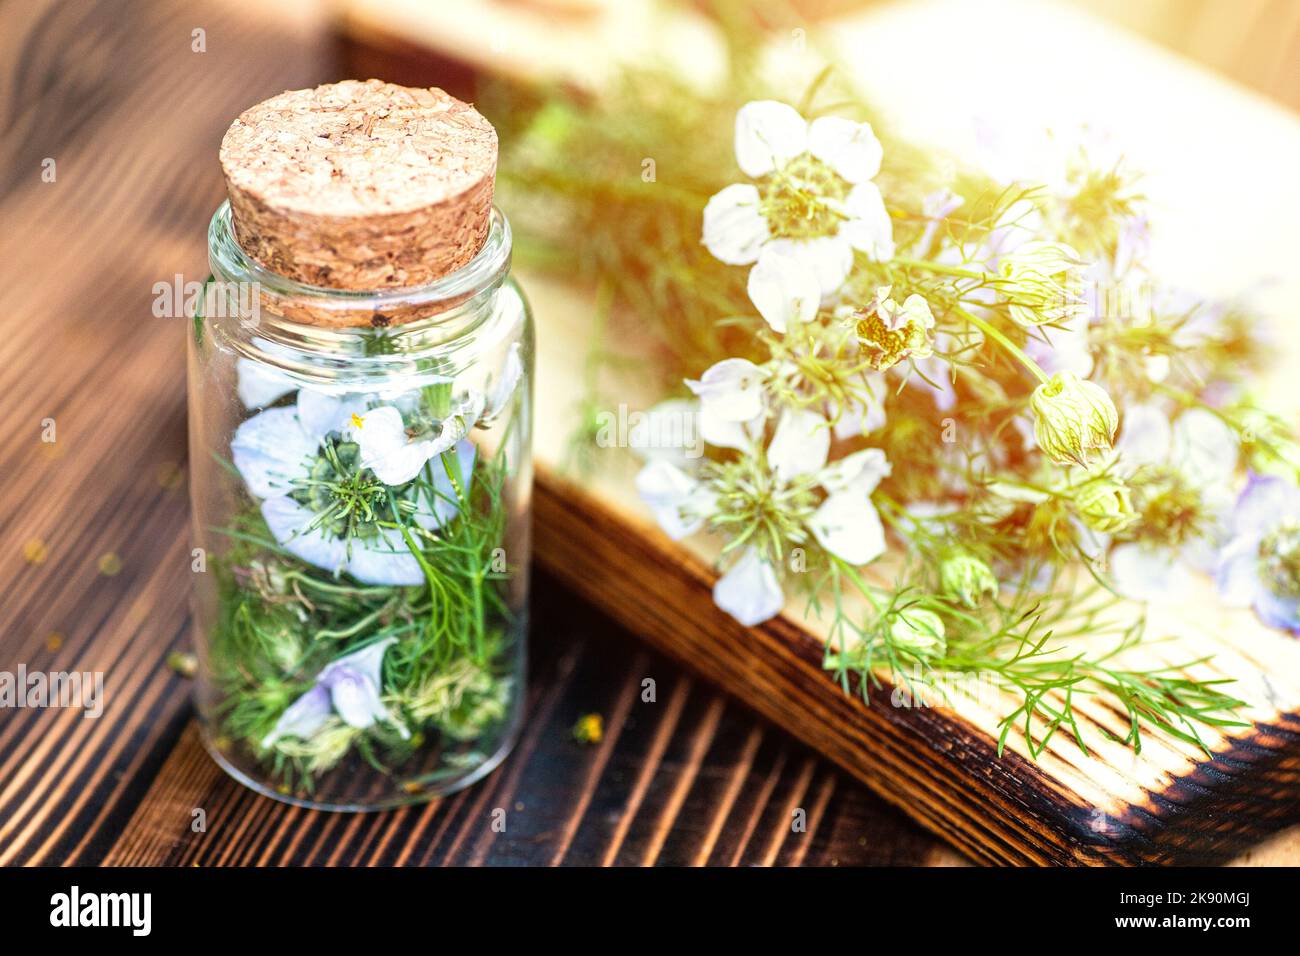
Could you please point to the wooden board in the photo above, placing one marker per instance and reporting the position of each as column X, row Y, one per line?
column 1224, row 197
column 693, row 778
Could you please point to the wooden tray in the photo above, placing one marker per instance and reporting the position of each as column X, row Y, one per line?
column 1225, row 202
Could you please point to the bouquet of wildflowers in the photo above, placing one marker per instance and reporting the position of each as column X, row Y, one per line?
column 952, row 418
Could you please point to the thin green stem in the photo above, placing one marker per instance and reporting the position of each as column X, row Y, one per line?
column 996, row 334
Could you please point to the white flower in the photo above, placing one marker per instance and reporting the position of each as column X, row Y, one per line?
column 845, row 523
column 1202, row 450
column 351, row 687
column 749, row 591
column 814, row 201
column 278, row 452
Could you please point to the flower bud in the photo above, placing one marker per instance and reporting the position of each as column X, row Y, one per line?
column 1073, row 418
column 1043, row 283
column 968, row 579
column 1105, row 505
column 918, row 632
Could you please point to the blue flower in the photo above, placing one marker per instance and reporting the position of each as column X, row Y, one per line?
column 1259, row 567
column 350, row 687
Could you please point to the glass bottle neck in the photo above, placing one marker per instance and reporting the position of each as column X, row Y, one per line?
column 348, row 338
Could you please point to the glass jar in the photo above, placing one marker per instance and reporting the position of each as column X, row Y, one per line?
column 361, row 511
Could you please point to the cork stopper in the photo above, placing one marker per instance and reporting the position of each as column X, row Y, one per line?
column 361, row 185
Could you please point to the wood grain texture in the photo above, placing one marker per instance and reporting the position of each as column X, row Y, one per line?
column 937, row 767
column 688, row 779
column 94, row 528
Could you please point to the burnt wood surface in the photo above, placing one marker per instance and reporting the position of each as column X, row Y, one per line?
column 94, row 527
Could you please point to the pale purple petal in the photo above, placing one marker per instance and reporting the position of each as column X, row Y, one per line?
column 303, row 717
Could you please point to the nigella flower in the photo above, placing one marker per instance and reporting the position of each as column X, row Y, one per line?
column 1182, row 473
column 889, row 333
column 813, row 200
column 1259, row 567
column 321, row 501
column 769, row 499
column 350, row 687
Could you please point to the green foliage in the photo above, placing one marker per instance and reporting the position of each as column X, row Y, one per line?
column 281, row 620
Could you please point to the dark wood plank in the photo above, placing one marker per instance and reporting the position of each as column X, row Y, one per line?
column 690, row 778
column 94, row 527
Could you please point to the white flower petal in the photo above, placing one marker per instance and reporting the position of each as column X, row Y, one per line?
column 784, row 292
column 259, row 385
column 320, row 413
column 1266, row 502
column 861, row 472
column 749, row 591
column 1204, row 447
column 731, row 389
column 916, row 309
column 768, row 135
column 734, row 229
column 868, row 227
column 387, row 451
column 723, row 433
column 270, row 450
column 674, row 497
column 1237, row 572
column 800, row 444
column 384, row 559
column 849, row 148
column 503, row 391
column 847, row 525
column 355, row 684
column 288, row 520
column 828, row 258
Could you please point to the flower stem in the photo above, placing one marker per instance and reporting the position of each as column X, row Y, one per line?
column 996, row 334
column 941, row 268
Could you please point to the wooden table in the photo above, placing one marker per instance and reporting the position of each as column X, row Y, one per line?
column 94, row 527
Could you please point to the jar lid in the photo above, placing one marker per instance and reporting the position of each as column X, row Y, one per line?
column 361, row 185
